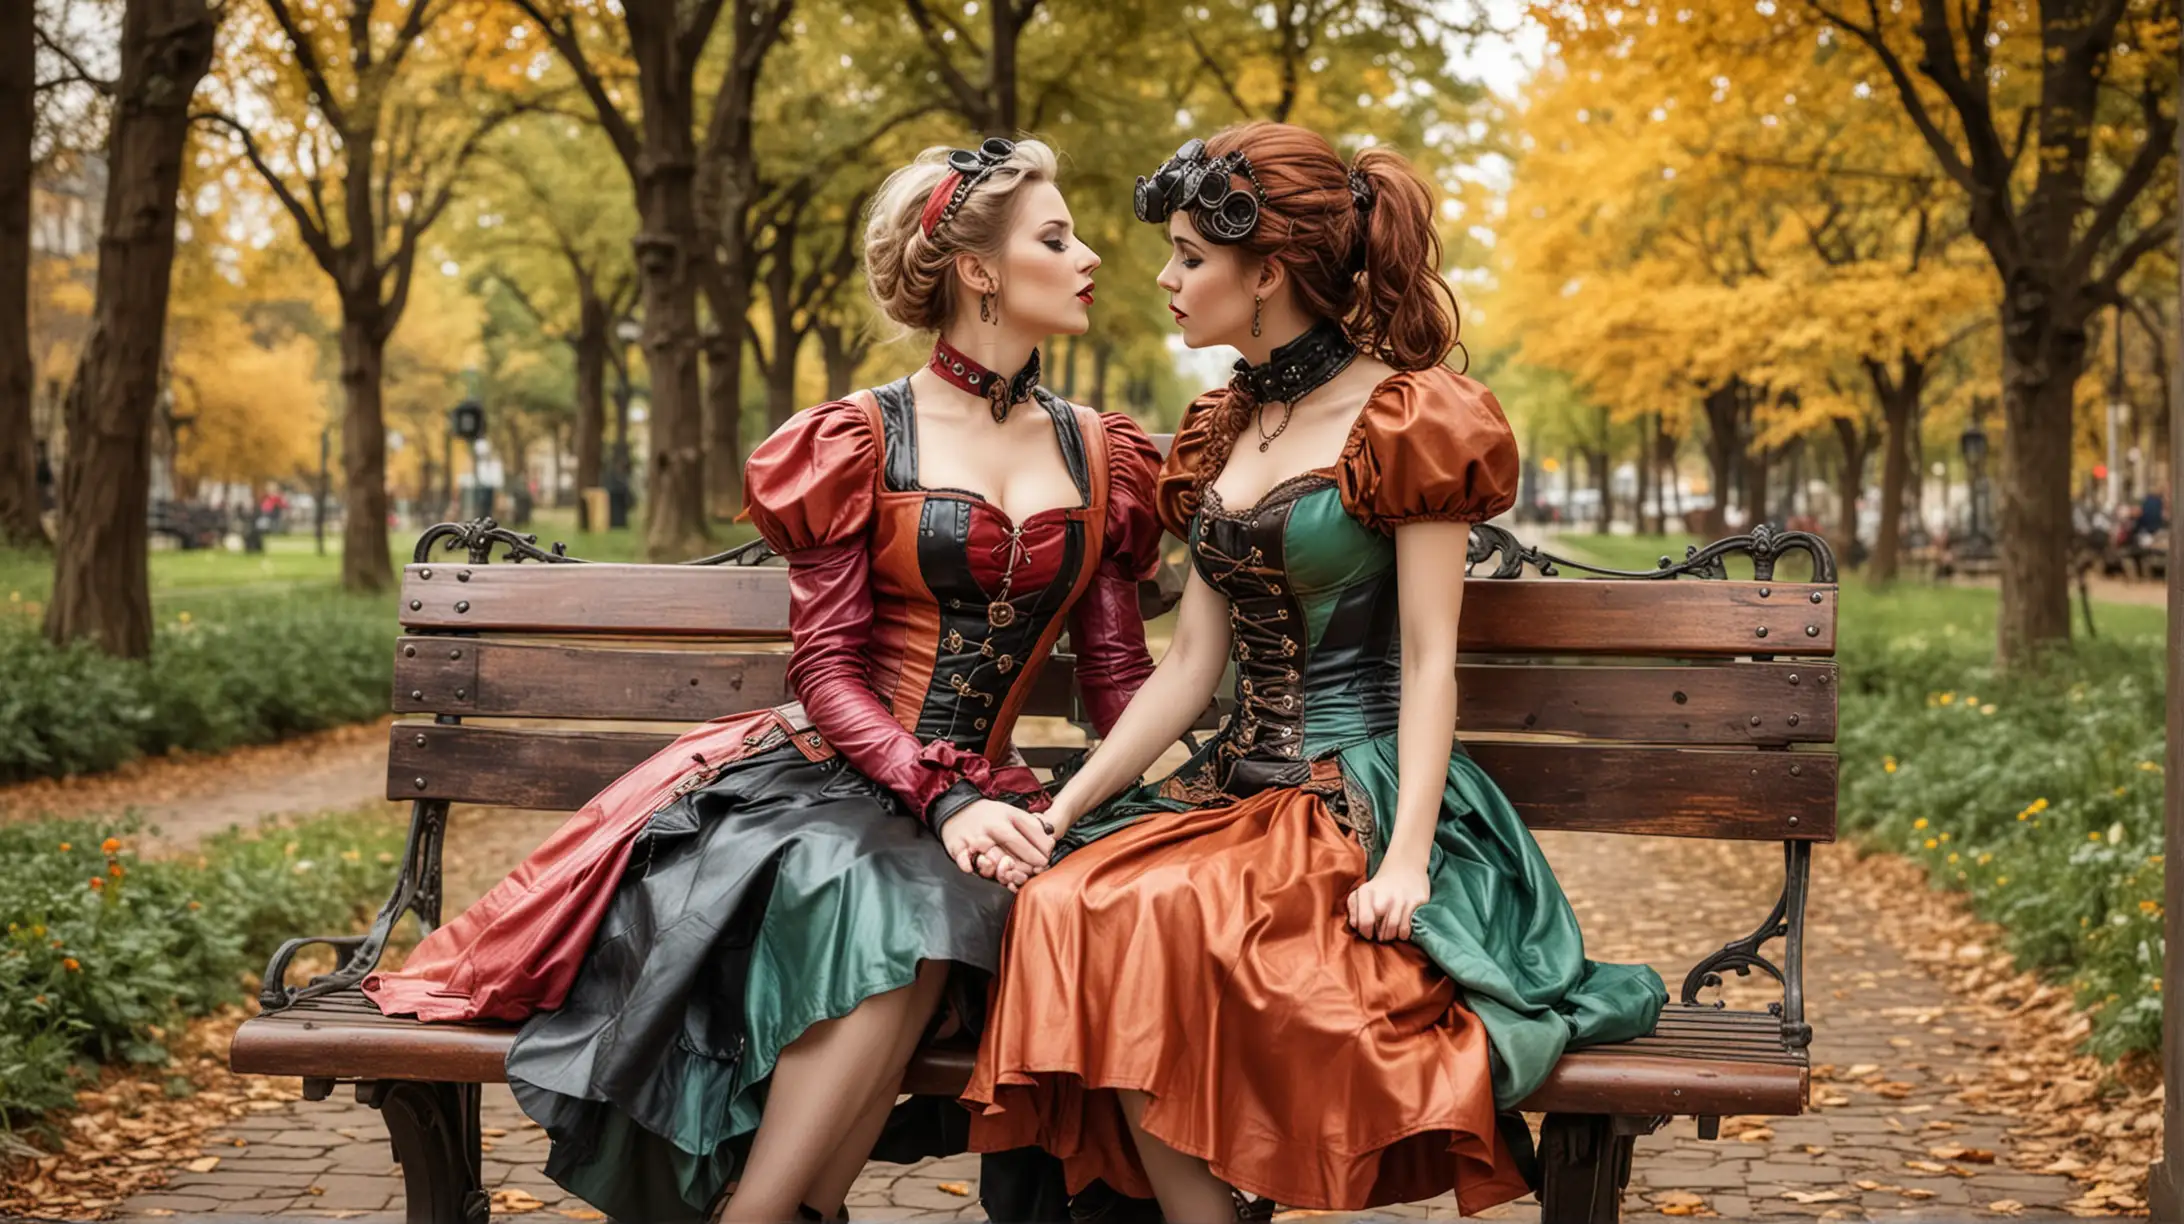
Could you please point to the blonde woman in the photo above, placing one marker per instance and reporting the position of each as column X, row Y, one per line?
column 754, row 929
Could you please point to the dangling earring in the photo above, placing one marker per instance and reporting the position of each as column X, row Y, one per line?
column 986, row 312
column 1256, row 303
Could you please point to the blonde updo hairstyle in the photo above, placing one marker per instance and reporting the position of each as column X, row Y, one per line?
column 912, row 276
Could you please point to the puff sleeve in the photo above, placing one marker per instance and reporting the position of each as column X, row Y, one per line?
column 1106, row 628
column 1430, row 446
column 810, row 489
column 1175, row 493
column 812, row 481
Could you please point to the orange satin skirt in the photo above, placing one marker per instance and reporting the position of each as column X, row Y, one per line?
column 1204, row 959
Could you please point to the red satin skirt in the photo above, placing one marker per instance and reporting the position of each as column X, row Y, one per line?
column 1204, row 959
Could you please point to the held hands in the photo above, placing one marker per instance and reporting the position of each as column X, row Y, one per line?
column 998, row 841
column 1381, row 908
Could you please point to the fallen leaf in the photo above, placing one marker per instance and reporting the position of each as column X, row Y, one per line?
column 1926, row 1166
column 203, row 1164
column 515, row 1201
column 1868, row 1184
column 1916, row 1194
column 956, row 1188
column 581, row 1213
column 1813, row 1196
column 2008, row 1207
column 1756, row 1135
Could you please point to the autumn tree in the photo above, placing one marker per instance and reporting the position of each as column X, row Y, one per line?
column 101, row 585
column 660, row 145
column 558, row 246
column 373, row 108
column 2088, row 89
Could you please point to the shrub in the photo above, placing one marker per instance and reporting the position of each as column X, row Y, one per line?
column 104, row 953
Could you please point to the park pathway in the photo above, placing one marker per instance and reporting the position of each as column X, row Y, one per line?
column 1891, row 1137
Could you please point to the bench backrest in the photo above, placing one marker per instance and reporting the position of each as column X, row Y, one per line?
column 1697, row 708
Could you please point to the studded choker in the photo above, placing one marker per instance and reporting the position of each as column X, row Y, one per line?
column 1001, row 394
column 1297, row 368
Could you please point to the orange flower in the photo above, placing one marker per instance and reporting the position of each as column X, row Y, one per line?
column 65, row 847
column 111, row 845
column 69, row 963
column 114, row 870
column 97, row 883
column 194, row 905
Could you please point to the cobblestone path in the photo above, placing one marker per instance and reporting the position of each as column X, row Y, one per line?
column 1892, row 1046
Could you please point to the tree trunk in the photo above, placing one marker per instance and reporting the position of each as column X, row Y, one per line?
column 1723, row 420
column 2037, row 380
column 1008, row 22
column 1849, row 482
column 1603, row 483
column 101, row 587
column 591, row 402
column 1665, row 444
column 675, row 526
column 365, row 565
column 841, row 364
column 1102, row 357
column 1641, row 519
column 787, row 337
column 1899, row 394
column 19, row 522
column 1756, row 460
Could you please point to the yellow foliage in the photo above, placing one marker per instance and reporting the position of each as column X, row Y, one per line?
column 255, row 406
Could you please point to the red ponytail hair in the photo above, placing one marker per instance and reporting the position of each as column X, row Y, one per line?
column 1378, row 270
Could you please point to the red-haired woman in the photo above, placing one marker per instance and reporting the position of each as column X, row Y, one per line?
column 1316, row 961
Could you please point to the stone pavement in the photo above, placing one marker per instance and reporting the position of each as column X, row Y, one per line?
column 1887, row 1140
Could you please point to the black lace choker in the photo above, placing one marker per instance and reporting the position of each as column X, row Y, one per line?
column 1297, row 368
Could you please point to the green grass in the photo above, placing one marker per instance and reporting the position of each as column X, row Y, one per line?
column 2037, row 795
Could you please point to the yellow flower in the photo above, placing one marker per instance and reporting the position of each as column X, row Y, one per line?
column 1999, row 881
column 1920, row 823
column 2038, row 805
column 1948, row 699
column 2025, row 815
column 2095, row 835
column 1987, row 708
column 69, row 963
column 1888, row 764
column 2121, row 791
column 1945, row 837
column 37, row 929
column 2149, row 907
column 1970, row 700
column 1952, row 858
column 1985, row 859
column 2149, row 767
column 2085, row 922
column 184, row 618
column 1930, row 844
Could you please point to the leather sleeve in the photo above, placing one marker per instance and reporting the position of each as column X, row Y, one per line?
column 1430, row 446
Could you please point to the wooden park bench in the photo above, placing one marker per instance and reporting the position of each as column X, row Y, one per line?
column 1632, row 704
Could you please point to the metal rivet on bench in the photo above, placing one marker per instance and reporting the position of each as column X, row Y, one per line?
column 1816, row 597
column 1755, row 720
column 462, row 575
column 424, row 573
column 693, row 682
column 1682, row 698
column 1793, row 717
column 1812, row 631
column 1793, row 677
column 416, row 605
column 1765, row 592
column 1793, row 822
column 420, row 739
column 417, row 694
column 1797, row 771
column 457, row 654
column 1761, row 631
column 419, row 783
column 409, row 652
column 462, row 605
column 461, row 693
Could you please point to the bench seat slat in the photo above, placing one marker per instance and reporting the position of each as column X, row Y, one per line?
column 1708, row 1072
column 1676, row 792
column 1733, row 703
column 1716, row 618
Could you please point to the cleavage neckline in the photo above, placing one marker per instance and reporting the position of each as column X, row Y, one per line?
column 1066, row 432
